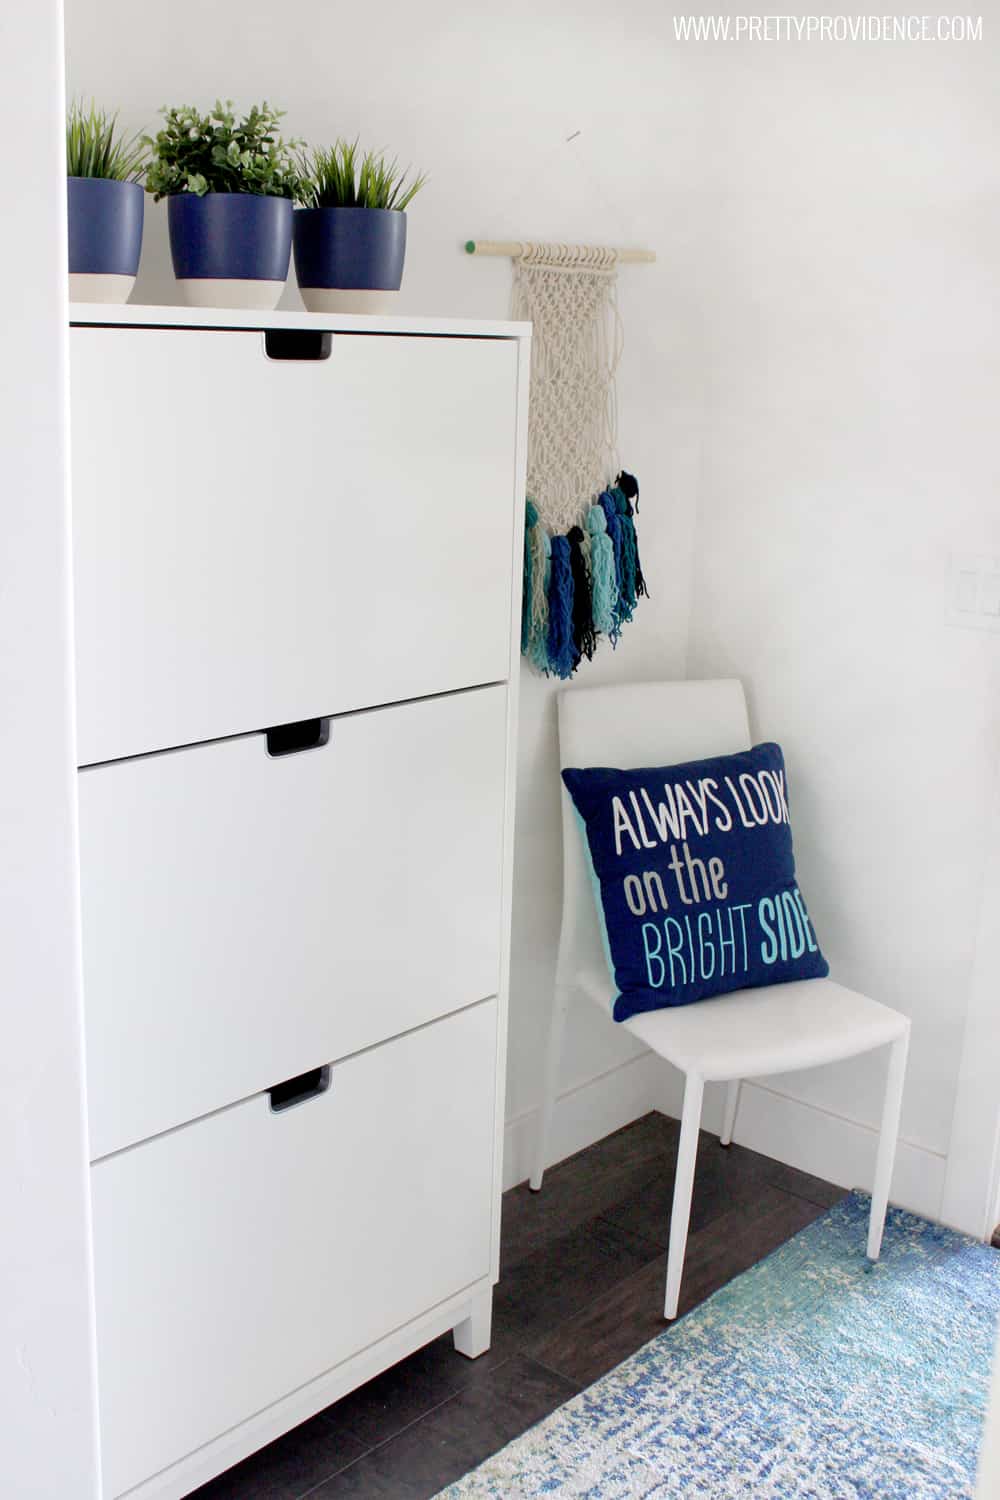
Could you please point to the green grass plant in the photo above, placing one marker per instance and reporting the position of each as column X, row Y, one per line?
column 96, row 148
column 337, row 177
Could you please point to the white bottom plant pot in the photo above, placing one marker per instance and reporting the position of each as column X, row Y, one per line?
column 330, row 299
column 89, row 286
column 229, row 291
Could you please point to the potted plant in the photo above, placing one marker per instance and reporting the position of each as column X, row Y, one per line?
column 104, row 205
column 229, row 185
column 350, row 233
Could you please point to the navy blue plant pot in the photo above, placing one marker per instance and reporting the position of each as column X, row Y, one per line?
column 104, row 220
column 230, row 249
column 348, row 249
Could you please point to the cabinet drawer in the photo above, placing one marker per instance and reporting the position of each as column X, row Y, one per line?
column 243, row 1255
column 244, row 916
column 259, row 540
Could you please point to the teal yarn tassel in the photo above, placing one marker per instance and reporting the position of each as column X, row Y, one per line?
column 538, row 627
column 640, row 582
column 530, row 522
column 629, row 486
column 563, row 656
column 604, row 589
column 610, row 510
column 626, row 593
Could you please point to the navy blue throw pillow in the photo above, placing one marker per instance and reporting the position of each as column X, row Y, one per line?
column 695, row 878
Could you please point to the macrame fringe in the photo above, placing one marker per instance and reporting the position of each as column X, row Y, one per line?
column 583, row 585
column 582, row 575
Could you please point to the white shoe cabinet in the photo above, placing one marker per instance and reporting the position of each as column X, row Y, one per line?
column 297, row 547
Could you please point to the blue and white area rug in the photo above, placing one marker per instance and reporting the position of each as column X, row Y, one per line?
column 807, row 1377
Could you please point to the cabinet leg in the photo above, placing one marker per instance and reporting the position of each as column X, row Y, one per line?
column 472, row 1335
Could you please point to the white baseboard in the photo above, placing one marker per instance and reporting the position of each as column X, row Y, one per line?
column 817, row 1141
column 585, row 1114
column 801, row 1135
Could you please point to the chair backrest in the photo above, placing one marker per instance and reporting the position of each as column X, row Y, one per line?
column 628, row 726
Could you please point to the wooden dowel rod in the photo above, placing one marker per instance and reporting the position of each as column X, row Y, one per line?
column 516, row 248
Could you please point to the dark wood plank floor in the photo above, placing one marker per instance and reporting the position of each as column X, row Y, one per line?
column 582, row 1276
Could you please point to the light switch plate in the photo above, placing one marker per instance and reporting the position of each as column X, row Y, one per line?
column 974, row 592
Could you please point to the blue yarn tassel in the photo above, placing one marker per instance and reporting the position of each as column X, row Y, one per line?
column 610, row 509
column 602, row 568
column 563, row 657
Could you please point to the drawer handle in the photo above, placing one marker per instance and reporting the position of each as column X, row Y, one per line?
column 289, row 739
column 297, row 343
column 299, row 1090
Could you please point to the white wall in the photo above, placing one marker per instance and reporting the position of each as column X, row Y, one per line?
column 971, row 1198
column 849, row 288
column 47, row 1388
column 483, row 101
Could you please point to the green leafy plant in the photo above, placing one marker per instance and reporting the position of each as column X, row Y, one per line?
column 96, row 148
column 334, row 178
column 216, row 153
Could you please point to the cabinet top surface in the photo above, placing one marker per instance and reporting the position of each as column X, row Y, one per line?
column 139, row 316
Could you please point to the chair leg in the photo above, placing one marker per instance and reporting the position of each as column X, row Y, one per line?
column 680, row 1213
column 729, row 1114
column 887, row 1143
column 550, row 1082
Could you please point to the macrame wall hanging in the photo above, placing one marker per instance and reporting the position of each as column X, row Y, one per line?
column 582, row 574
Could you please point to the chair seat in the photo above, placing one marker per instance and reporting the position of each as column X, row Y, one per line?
column 775, row 1029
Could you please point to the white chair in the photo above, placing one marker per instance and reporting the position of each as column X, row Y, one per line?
column 751, row 1033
